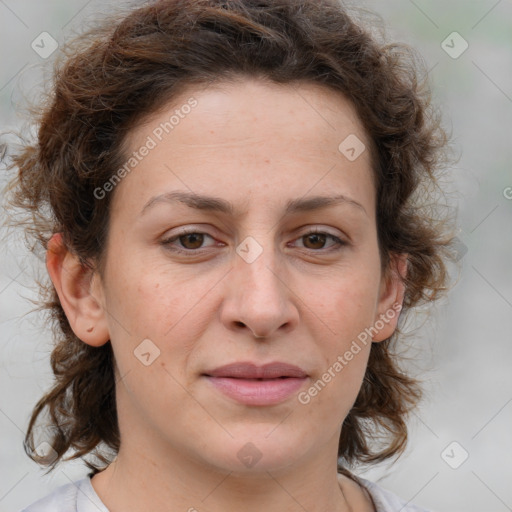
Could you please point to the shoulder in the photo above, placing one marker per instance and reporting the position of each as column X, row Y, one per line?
column 386, row 501
column 77, row 496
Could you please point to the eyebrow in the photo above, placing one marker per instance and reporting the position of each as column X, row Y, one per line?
column 216, row 204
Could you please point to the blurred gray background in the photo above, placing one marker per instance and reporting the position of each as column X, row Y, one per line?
column 460, row 453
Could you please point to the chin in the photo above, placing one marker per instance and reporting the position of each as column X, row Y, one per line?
column 259, row 449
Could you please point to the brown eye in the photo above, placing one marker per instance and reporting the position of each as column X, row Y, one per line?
column 189, row 243
column 192, row 240
column 314, row 240
column 321, row 242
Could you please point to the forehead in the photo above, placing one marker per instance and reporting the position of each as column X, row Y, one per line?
column 248, row 136
column 254, row 106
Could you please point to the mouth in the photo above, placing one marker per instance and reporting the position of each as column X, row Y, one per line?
column 250, row 371
column 249, row 384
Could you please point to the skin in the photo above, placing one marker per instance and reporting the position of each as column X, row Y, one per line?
column 256, row 145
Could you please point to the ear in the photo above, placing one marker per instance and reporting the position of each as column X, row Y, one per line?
column 80, row 293
column 391, row 296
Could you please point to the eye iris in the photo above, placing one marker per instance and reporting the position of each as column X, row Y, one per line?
column 196, row 240
column 317, row 239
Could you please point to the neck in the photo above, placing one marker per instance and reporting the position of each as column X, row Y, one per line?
column 135, row 482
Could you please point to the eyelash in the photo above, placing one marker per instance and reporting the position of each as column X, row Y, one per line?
column 167, row 243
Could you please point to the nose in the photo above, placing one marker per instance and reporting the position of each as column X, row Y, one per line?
column 259, row 297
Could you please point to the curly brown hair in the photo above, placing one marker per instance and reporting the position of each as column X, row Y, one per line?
column 109, row 79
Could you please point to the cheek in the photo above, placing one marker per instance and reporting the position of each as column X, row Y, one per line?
column 167, row 307
column 154, row 298
column 348, row 304
column 333, row 391
column 347, row 307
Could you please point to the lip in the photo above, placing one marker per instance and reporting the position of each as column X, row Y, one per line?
column 248, row 370
column 250, row 384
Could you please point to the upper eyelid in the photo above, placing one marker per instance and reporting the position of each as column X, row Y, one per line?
column 339, row 239
column 186, row 232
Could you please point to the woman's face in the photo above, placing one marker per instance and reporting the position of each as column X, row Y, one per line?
column 248, row 169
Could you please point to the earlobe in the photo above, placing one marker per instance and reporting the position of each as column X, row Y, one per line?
column 391, row 297
column 74, row 285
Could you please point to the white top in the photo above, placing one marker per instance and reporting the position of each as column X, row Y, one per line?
column 80, row 496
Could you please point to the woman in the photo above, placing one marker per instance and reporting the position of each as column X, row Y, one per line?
column 229, row 194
